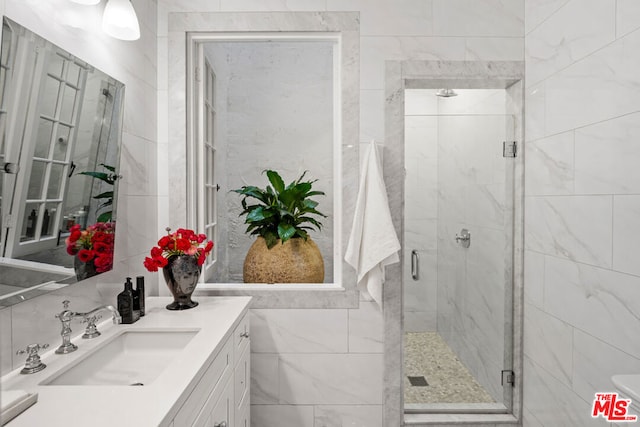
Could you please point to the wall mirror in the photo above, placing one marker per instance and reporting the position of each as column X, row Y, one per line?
column 60, row 137
column 263, row 101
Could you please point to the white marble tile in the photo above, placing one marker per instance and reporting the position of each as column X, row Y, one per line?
column 576, row 30
column 535, row 113
column 626, row 234
column 299, row 330
column 137, row 233
column 264, row 379
column 593, row 299
column 564, row 226
column 271, row 5
column 366, row 332
column 390, row 17
column 549, row 400
column 529, row 419
column 478, row 18
column 345, row 379
column 282, row 415
column 348, row 415
column 549, row 165
column 137, row 167
column 374, row 51
column 606, row 157
column 486, row 206
column 420, row 102
column 549, row 342
column 6, row 353
column 422, row 321
column 595, row 362
column 534, row 278
column 372, row 115
column 570, row 94
column 538, row 11
column 628, row 16
column 495, row 49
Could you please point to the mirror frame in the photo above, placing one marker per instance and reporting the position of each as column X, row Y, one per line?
column 184, row 31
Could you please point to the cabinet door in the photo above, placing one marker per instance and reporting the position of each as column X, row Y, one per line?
column 242, row 375
column 244, row 419
column 222, row 414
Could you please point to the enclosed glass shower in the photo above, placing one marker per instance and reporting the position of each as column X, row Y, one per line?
column 458, row 250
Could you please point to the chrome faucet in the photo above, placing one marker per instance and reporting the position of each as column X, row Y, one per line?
column 91, row 317
column 65, row 317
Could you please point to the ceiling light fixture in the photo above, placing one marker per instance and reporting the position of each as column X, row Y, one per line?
column 120, row 20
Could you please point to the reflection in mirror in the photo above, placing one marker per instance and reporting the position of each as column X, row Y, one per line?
column 60, row 122
column 266, row 102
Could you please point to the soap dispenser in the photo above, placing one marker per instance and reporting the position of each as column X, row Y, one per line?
column 125, row 303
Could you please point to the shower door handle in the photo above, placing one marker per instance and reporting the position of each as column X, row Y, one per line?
column 415, row 265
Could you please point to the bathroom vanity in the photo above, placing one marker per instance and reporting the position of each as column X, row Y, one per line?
column 170, row 368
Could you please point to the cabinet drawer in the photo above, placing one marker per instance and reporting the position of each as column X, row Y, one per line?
column 208, row 389
column 241, row 337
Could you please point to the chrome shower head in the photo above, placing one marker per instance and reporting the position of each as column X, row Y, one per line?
column 446, row 93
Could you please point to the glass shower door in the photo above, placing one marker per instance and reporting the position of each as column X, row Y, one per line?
column 459, row 230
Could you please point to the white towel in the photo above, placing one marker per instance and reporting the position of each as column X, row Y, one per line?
column 373, row 243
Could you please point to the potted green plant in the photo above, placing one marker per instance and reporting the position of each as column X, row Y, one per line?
column 281, row 216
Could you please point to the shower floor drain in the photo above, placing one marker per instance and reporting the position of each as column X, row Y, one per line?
column 420, row 381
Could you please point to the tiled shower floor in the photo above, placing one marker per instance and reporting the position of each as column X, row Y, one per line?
column 427, row 354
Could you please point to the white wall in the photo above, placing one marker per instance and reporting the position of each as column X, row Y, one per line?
column 582, row 234
column 76, row 29
column 323, row 367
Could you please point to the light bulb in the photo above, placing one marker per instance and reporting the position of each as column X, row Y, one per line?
column 120, row 20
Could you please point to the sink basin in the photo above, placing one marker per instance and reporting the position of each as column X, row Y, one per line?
column 133, row 357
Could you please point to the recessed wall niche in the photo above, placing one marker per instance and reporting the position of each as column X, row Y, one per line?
column 178, row 139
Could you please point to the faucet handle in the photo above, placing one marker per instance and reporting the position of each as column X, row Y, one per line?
column 33, row 363
column 65, row 304
column 91, row 331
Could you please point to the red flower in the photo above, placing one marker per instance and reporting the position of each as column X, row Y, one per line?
column 150, row 264
column 72, row 250
column 75, row 235
column 182, row 242
column 102, row 247
column 104, row 262
column 156, row 252
column 85, row 255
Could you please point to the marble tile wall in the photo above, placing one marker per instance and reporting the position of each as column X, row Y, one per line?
column 582, row 209
column 77, row 29
column 299, row 346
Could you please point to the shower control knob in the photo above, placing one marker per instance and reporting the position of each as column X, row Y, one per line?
column 464, row 238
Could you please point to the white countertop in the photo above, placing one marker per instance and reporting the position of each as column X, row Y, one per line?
column 152, row 405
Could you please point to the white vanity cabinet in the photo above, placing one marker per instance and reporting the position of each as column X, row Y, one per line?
column 203, row 384
column 221, row 396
